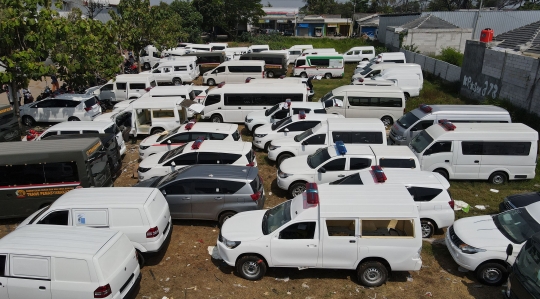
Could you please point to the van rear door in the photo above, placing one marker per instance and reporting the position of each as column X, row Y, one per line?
column 157, row 211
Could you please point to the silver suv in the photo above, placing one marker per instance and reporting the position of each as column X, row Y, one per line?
column 210, row 192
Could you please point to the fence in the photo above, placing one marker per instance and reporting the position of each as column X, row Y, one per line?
column 439, row 68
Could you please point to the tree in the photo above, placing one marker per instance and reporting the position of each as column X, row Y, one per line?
column 211, row 12
column 85, row 51
column 319, row 7
column 268, row 4
column 191, row 19
column 27, row 32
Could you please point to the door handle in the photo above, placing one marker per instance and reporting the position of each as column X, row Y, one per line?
column 447, row 161
column 186, row 198
column 311, row 245
column 239, row 107
column 42, row 288
column 341, row 176
column 218, row 198
column 352, row 241
column 476, row 161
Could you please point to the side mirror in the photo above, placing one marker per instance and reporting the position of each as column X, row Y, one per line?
column 164, row 192
column 321, row 170
column 169, row 141
column 173, row 164
column 428, row 152
column 509, row 250
column 286, row 130
column 305, row 143
column 414, row 129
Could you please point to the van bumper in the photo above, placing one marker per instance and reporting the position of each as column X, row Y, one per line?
column 132, row 293
column 151, row 247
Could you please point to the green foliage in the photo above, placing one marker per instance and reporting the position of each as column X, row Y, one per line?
column 380, row 49
column 191, row 20
column 412, row 48
column 451, row 56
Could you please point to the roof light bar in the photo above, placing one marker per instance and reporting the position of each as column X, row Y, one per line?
column 220, row 85
column 312, row 193
column 197, row 143
column 445, row 123
column 302, row 114
column 426, row 108
column 379, row 174
column 190, row 125
column 340, row 148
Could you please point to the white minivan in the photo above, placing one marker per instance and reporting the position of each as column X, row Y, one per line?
column 236, row 71
column 497, row 152
column 410, row 80
column 393, row 57
column 127, row 87
column 176, row 72
column 386, row 103
column 183, row 91
column 52, row 261
column 356, row 54
column 421, row 118
column 142, row 214
column 371, row 230
column 296, row 51
column 376, row 69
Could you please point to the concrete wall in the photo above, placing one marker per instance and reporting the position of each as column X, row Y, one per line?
column 441, row 69
column 500, row 74
column 432, row 41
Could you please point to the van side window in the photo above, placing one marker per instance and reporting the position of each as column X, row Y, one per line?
column 2, row 265
column 30, row 266
column 205, row 186
column 367, row 137
column 56, row 218
column 29, row 174
column 107, row 87
column 388, row 228
column 341, row 228
column 121, row 86
column 423, row 193
column 238, row 99
column 137, row 86
column 507, row 148
column 441, row 147
column 317, row 139
column 231, row 187
column 71, row 270
column 212, row 99
column 397, row 163
column 359, row 163
column 471, row 148
column 180, row 68
column 367, row 51
column 162, row 113
column 422, row 125
column 335, row 165
column 300, row 62
column 70, row 132
column 298, row 231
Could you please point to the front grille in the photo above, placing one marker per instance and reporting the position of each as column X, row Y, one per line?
column 127, row 282
column 453, row 237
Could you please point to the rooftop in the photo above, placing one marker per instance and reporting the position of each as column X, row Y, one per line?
column 429, row 22
column 525, row 39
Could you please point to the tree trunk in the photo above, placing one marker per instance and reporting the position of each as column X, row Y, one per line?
column 13, row 94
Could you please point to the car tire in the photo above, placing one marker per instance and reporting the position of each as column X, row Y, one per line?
column 270, row 74
column 372, row 274
column 303, row 75
column 498, row 178
column 146, row 66
column 442, row 172
column 328, row 76
column 73, row 118
column 216, row 118
column 156, row 131
column 140, row 259
column 428, row 229
column 407, row 96
column 28, row 121
column 296, row 189
column 177, row 81
column 224, row 216
column 282, row 158
column 387, row 120
column 251, row 267
column 211, row 82
column 492, row 274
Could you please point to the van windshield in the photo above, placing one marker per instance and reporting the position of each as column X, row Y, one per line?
column 172, row 153
column 421, row 141
column 366, row 71
column 517, row 225
column 303, row 135
column 280, row 123
column 275, row 217
column 171, row 132
column 98, row 166
column 326, row 97
column 271, row 110
column 407, row 120
column 318, row 158
column 527, row 266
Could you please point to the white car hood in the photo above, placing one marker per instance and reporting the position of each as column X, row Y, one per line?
column 296, row 165
column 244, row 226
column 480, row 232
column 257, row 114
column 150, row 140
column 196, row 108
column 121, row 105
column 105, row 116
column 151, row 161
column 286, row 141
column 264, row 129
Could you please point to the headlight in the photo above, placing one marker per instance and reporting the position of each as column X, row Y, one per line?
column 273, row 147
column 248, row 120
column 230, row 244
column 260, row 135
column 399, row 137
column 283, row 175
column 142, row 169
column 143, row 147
column 466, row 248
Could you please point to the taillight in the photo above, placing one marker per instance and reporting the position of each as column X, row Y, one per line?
column 87, row 108
column 251, row 164
column 153, row 232
column 256, row 196
column 451, row 203
column 263, row 75
column 103, row 291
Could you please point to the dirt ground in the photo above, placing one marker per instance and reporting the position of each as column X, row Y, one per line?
column 186, row 269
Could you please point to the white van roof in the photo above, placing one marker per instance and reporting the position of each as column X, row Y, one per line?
column 392, row 65
column 80, row 125
column 405, row 177
column 56, row 240
column 159, row 103
column 222, row 146
column 170, row 90
column 104, row 197
column 390, row 54
column 209, row 127
column 461, row 110
column 367, row 89
column 177, row 62
column 351, row 123
column 134, row 77
column 484, row 132
column 301, row 47
column 243, row 62
column 259, row 88
column 382, row 151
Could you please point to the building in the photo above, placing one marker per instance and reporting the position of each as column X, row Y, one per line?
column 311, row 25
column 524, row 39
column 278, row 19
column 429, row 34
column 336, row 25
column 367, row 24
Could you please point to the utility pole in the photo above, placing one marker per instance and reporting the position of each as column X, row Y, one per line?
column 476, row 21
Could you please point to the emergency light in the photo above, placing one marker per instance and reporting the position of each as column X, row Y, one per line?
column 340, row 148
column 301, row 114
column 360, row 79
column 445, row 123
column 379, row 174
column 425, row 108
column 282, row 76
column 190, row 125
column 197, row 143
column 220, row 85
column 312, row 193
column 248, row 79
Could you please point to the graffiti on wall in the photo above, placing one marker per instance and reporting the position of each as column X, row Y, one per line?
column 485, row 89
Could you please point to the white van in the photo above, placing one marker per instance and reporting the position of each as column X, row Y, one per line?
column 219, row 46
column 183, row 91
column 177, row 72
column 51, row 261
column 235, row 52
column 233, row 102
column 142, row 214
column 327, row 65
column 174, row 52
column 149, row 56
column 393, row 57
column 127, row 87
column 497, row 152
column 386, row 103
column 234, row 72
column 193, row 48
column 371, row 230
column 375, row 69
column 280, row 111
column 410, row 80
column 356, row 54
column 258, row 48
column 320, row 51
column 421, row 118
column 348, row 130
column 429, row 190
column 174, row 58
column 296, row 51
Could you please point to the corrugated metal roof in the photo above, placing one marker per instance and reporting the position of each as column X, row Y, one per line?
column 525, row 38
column 429, row 22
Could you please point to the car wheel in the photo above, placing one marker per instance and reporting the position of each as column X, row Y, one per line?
column 217, row 118
column 270, row 74
column 211, row 82
column 224, row 217
column 407, row 96
column 140, row 259
column 428, row 229
column 156, row 131
column 267, row 145
column 177, row 81
column 492, row 274
column 251, row 267
column 387, row 121
column 498, row 178
column 146, row 66
column 442, row 172
column 303, row 75
column 328, row 76
column 28, row 121
column 372, row 274
column 282, row 158
column 73, row 119
column 297, row 189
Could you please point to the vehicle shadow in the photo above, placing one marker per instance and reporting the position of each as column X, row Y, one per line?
column 278, row 191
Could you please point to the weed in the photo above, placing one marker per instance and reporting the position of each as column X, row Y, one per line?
column 451, row 56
